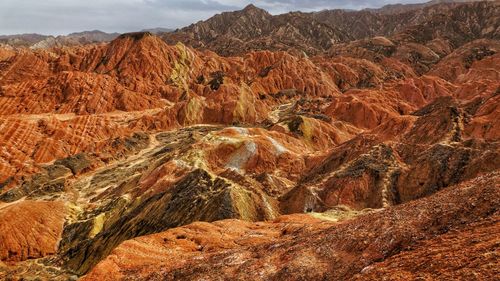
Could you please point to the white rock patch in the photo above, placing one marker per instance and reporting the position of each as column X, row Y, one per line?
column 280, row 149
column 241, row 131
column 241, row 156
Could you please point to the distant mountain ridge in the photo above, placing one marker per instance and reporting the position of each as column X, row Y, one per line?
column 342, row 146
column 233, row 33
column 37, row 41
column 253, row 28
column 401, row 8
column 157, row 30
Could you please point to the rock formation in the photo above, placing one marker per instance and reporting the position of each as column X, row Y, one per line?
column 252, row 28
column 297, row 248
column 327, row 154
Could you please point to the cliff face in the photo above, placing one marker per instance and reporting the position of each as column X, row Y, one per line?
column 142, row 159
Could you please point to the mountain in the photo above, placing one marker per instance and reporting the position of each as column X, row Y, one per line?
column 38, row 41
column 426, row 44
column 234, row 33
column 22, row 39
column 93, row 36
column 370, row 23
column 401, row 8
column 255, row 29
column 157, row 30
column 295, row 158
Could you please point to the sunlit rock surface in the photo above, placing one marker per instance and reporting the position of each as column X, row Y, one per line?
column 373, row 155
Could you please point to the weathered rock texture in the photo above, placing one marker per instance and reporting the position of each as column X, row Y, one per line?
column 30, row 229
column 146, row 159
column 255, row 29
column 297, row 249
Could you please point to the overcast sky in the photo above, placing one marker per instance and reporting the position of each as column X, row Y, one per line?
column 65, row 16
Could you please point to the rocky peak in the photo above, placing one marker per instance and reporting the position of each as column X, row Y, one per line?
column 393, row 136
column 234, row 33
column 251, row 8
column 135, row 35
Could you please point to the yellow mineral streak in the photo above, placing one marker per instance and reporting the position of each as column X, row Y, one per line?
column 182, row 67
column 244, row 110
column 98, row 225
column 194, row 111
column 307, row 129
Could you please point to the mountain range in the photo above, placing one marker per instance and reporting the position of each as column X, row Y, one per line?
column 333, row 145
column 38, row 41
column 314, row 33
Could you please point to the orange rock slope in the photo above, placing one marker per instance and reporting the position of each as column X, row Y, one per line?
column 137, row 159
column 30, row 229
column 387, row 244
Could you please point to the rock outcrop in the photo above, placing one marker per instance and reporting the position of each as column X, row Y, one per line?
column 294, row 248
column 252, row 28
column 30, row 229
column 312, row 153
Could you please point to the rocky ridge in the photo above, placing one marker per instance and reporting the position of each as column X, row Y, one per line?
column 235, row 33
column 38, row 41
column 366, row 155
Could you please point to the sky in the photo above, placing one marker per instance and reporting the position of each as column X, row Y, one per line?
column 57, row 17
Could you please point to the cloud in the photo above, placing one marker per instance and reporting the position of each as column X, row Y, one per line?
column 66, row 16
column 194, row 5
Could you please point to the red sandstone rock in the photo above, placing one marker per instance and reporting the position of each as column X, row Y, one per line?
column 139, row 136
column 291, row 250
column 30, row 229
